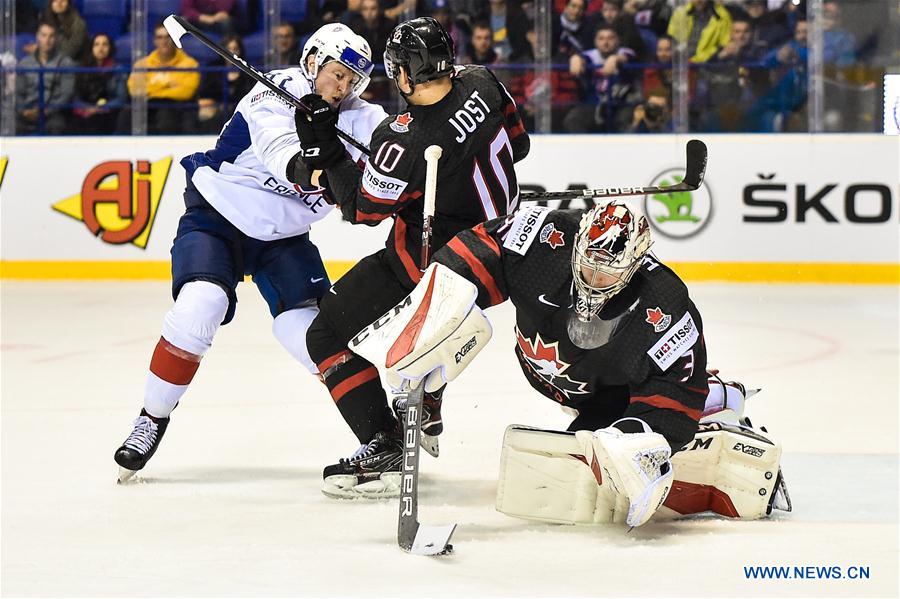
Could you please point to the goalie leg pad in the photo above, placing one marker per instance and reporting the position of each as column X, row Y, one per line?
column 545, row 476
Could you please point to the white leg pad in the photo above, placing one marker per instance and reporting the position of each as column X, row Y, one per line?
column 544, row 476
column 290, row 329
column 195, row 317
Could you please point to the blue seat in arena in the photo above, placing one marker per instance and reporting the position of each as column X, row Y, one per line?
column 197, row 50
column 123, row 49
column 105, row 16
column 255, row 48
column 292, row 11
column 157, row 10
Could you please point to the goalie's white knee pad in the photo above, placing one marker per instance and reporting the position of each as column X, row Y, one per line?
column 195, row 317
column 290, row 329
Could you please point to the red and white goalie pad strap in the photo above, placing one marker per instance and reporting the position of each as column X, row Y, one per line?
column 432, row 335
column 547, row 476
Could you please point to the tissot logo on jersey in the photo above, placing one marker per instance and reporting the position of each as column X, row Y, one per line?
column 546, row 364
column 524, row 228
column 381, row 187
column 401, row 123
column 658, row 319
column 673, row 345
column 552, row 236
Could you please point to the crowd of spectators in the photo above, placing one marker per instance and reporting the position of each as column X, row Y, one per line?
column 611, row 61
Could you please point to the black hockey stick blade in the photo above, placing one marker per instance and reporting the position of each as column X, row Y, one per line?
column 178, row 26
column 695, row 168
column 695, row 164
column 415, row 538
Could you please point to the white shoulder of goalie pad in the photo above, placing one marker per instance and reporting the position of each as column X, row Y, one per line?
column 436, row 328
column 729, row 469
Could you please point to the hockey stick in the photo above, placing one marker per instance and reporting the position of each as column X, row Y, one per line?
column 695, row 168
column 178, row 26
column 413, row 537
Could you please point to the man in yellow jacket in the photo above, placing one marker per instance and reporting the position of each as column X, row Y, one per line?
column 703, row 25
column 166, row 89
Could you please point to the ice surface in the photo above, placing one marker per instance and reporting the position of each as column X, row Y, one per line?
column 230, row 505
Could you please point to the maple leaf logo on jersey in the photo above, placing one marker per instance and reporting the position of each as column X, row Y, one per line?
column 401, row 123
column 544, row 359
column 658, row 319
column 552, row 236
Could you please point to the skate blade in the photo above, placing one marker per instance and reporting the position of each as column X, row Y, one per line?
column 431, row 445
column 125, row 476
column 345, row 486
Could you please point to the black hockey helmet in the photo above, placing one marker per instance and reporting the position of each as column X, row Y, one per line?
column 422, row 47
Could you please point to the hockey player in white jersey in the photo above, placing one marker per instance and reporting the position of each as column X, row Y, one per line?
column 249, row 204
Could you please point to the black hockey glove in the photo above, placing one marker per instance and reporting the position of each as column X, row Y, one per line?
column 317, row 131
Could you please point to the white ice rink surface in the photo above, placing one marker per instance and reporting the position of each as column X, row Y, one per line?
column 230, row 505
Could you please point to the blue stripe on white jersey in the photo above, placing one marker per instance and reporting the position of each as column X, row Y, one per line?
column 232, row 142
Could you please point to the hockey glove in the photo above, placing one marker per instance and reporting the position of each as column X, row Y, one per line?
column 636, row 463
column 320, row 146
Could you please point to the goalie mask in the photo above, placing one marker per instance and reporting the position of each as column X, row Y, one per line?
column 608, row 249
column 338, row 42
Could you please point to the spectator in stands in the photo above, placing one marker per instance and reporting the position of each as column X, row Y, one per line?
column 480, row 49
column 624, row 26
column 654, row 115
column 770, row 28
column 287, row 51
column 509, row 26
column 99, row 95
column 373, row 26
column 210, row 15
column 660, row 77
column 58, row 88
column 839, row 44
column 573, row 31
column 220, row 91
column 444, row 15
column 786, row 100
column 71, row 30
column 650, row 14
column 731, row 82
column 604, row 86
column 591, row 7
column 704, row 26
column 164, row 90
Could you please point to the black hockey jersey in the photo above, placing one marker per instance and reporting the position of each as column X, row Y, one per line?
column 482, row 136
column 658, row 351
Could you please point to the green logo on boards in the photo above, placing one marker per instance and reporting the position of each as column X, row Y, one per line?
column 681, row 214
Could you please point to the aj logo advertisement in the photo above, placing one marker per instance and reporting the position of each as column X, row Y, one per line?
column 119, row 200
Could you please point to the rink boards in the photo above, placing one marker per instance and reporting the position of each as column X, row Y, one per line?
column 773, row 208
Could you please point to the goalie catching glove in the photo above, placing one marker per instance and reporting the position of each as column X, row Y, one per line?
column 636, row 463
column 431, row 335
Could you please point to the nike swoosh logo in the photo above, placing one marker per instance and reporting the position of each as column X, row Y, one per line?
column 543, row 299
column 331, row 290
column 317, row 280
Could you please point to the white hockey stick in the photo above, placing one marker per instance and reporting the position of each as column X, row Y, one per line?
column 413, row 537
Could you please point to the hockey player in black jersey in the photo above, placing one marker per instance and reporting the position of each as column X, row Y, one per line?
column 467, row 112
column 606, row 329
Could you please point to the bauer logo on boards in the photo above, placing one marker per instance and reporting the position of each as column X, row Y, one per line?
column 119, row 200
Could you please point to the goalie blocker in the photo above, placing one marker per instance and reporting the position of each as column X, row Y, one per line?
column 555, row 476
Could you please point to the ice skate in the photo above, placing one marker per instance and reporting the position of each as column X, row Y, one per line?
column 373, row 471
column 140, row 445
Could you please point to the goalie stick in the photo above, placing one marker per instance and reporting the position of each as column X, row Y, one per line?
column 413, row 537
column 177, row 26
column 695, row 168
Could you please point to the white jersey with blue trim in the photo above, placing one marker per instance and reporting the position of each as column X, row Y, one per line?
column 244, row 176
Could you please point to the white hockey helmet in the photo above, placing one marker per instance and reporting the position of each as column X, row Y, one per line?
column 610, row 244
column 338, row 42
